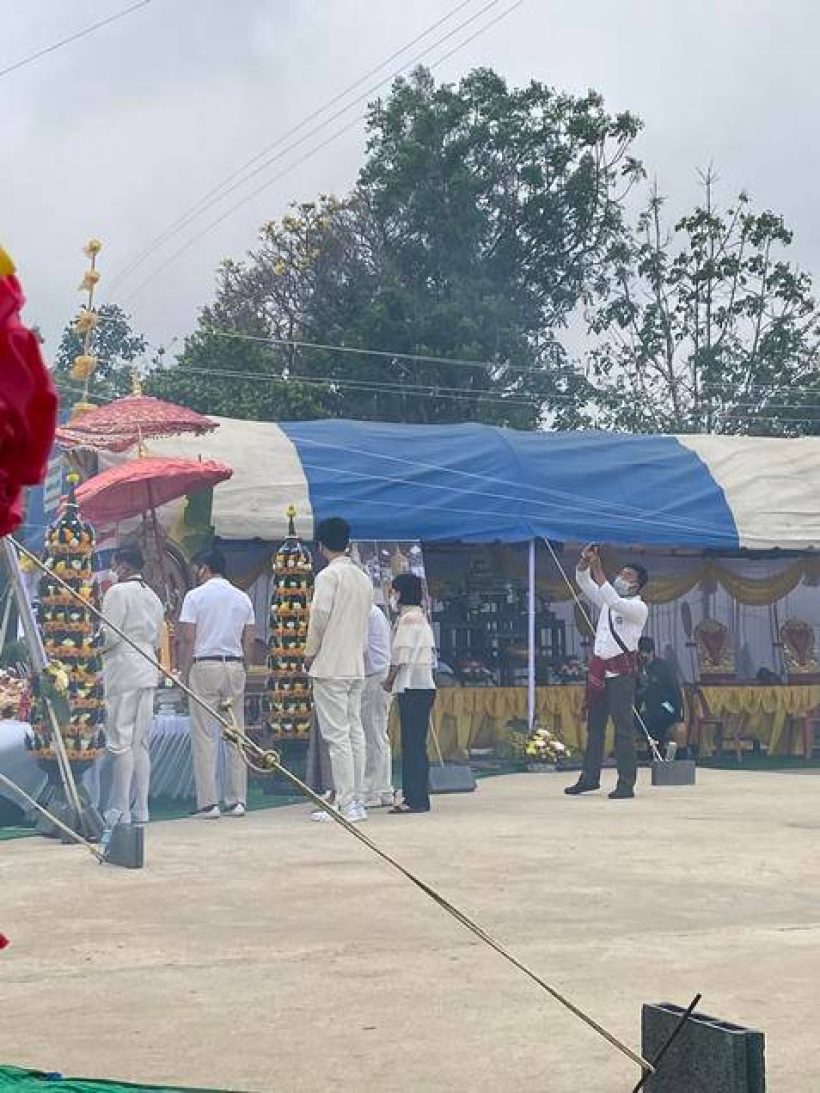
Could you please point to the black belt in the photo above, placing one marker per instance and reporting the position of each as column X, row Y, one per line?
column 222, row 660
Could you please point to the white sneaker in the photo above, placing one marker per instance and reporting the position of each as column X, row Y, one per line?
column 356, row 814
column 234, row 810
column 210, row 812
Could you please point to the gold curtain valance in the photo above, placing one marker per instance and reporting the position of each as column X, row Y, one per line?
column 752, row 591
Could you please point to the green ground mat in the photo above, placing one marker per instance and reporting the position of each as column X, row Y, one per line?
column 35, row 1081
column 162, row 809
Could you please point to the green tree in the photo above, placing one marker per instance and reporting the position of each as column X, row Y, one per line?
column 709, row 328
column 482, row 217
column 117, row 348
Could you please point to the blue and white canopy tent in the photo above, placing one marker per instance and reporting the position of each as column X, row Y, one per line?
column 479, row 484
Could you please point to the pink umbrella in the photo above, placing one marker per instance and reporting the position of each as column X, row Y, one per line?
column 129, row 421
column 143, row 485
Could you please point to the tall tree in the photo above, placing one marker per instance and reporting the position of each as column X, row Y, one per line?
column 709, row 328
column 483, row 215
column 115, row 345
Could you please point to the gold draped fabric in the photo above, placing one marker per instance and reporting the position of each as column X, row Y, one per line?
column 753, row 591
column 476, row 717
column 446, row 567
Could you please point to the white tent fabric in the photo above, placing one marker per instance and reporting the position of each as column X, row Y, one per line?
column 769, row 484
column 267, row 478
column 482, row 484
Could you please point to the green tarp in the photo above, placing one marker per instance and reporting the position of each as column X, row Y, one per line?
column 14, row 1080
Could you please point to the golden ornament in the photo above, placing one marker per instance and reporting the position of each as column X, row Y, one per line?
column 86, row 321
column 83, row 366
column 90, row 279
column 92, row 247
column 6, row 264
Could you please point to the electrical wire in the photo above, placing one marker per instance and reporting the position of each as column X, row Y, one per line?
column 317, row 148
column 72, row 38
column 190, row 214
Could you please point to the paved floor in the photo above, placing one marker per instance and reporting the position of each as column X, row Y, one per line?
column 274, row 954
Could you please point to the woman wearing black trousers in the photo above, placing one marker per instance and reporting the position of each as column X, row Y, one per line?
column 411, row 680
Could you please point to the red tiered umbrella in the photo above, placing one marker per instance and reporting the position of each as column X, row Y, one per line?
column 145, row 484
column 130, row 420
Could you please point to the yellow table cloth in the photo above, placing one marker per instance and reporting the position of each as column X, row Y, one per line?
column 475, row 717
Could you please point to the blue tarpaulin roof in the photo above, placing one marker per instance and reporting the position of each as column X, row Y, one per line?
column 477, row 483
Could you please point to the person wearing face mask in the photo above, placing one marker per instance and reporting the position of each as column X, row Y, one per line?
column 216, row 641
column 129, row 684
column 334, row 658
column 612, row 670
column 411, row 679
column 659, row 696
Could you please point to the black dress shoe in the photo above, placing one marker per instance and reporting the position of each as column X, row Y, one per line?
column 581, row 787
column 621, row 793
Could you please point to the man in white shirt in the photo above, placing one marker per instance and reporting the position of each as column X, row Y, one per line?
column 216, row 630
column 334, row 657
column 129, row 682
column 378, row 767
column 612, row 670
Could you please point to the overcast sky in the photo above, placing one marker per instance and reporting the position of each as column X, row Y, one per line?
column 120, row 133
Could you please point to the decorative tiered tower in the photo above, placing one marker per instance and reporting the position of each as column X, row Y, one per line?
column 288, row 691
column 69, row 636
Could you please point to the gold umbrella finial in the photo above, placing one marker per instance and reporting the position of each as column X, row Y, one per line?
column 85, row 364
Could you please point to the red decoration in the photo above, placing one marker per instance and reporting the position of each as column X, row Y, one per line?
column 145, row 484
column 129, row 421
column 28, row 403
column 4, row 942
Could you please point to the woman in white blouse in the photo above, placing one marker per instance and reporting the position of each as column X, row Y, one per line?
column 411, row 679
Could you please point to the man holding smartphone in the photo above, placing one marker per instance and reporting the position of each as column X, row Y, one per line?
column 612, row 670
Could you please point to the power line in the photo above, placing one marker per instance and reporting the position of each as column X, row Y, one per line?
column 254, row 193
column 433, row 388
column 194, row 210
column 72, row 38
column 312, row 132
column 373, row 386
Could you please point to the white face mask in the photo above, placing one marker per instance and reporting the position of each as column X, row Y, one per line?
column 622, row 586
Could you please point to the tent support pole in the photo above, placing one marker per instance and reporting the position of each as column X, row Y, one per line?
column 531, row 638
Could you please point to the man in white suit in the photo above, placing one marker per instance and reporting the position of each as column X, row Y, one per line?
column 334, row 656
column 130, row 681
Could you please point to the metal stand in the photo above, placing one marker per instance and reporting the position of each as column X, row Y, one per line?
column 68, row 802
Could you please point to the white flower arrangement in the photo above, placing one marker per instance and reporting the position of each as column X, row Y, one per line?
column 544, row 746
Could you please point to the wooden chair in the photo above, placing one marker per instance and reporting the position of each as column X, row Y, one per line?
column 715, row 651
column 716, row 667
column 798, row 641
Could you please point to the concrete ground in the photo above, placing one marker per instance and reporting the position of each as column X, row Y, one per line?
column 271, row 953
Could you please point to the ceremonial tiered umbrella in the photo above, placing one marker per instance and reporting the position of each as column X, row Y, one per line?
column 129, row 421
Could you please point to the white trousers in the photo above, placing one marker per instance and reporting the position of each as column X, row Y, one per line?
column 127, row 736
column 217, row 682
column 338, row 708
column 378, row 766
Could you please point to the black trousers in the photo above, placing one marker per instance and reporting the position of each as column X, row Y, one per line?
column 617, row 703
column 414, row 716
column 658, row 722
